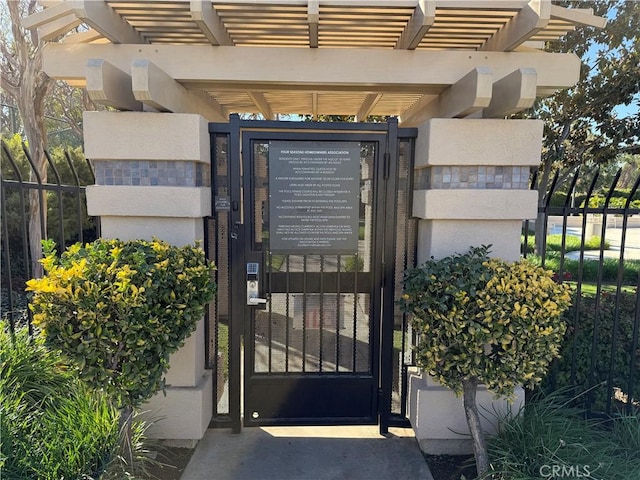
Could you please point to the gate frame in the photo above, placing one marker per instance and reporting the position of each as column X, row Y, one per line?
column 383, row 273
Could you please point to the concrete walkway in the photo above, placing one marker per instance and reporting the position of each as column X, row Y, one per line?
column 308, row 453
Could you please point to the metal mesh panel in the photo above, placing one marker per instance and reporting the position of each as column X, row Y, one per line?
column 405, row 250
column 218, row 248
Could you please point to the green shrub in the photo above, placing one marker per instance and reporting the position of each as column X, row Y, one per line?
column 571, row 268
column 579, row 339
column 119, row 309
column 52, row 425
column 598, row 201
column 487, row 318
column 546, row 434
column 484, row 320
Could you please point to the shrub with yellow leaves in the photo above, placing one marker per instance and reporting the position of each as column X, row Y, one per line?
column 118, row 309
column 487, row 321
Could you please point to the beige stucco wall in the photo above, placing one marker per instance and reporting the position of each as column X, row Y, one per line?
column 453, row 141
column 444, row 237
column 453, row 218
column 147, row 201
column 438, row 418
column 145, row 136
column 471, row 204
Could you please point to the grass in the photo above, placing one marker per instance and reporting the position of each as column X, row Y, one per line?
column 547, row 435
column 52, row 425
column 590, row 268
column 572, row 243
column 590, row 289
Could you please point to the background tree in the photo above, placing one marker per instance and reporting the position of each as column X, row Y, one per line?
column 582, row 124
column 27, row 85
column 45, row 112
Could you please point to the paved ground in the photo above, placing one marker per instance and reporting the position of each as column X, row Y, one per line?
column 614, row 236
column 308, row 453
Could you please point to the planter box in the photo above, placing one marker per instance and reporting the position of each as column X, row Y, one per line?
column 438, row 419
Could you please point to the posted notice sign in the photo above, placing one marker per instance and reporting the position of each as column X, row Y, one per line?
column 314, row 197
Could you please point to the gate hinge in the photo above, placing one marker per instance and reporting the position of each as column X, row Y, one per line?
column 387, row 164
column 379, row 400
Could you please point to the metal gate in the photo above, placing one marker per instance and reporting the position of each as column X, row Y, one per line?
column 311, row 233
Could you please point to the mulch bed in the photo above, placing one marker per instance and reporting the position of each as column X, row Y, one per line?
column 172, row 462
column 451, row 467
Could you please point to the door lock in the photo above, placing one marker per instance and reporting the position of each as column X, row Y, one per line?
column 253, row 296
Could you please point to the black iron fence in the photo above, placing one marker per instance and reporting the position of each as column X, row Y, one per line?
column 588, row 232
column 60, row 214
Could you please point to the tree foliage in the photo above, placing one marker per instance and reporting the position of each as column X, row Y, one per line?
column 582, row 123
column 66, row 211
column 597, row 119
column 42, row 104
column 23, row 80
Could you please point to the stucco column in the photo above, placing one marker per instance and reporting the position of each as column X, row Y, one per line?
column 153, row 180
column 470, row 189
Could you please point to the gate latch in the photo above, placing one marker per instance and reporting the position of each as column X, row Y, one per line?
column 253, row 297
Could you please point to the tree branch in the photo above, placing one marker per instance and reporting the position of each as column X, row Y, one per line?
column 8, row 86
column 10, row 61
column 17, row 32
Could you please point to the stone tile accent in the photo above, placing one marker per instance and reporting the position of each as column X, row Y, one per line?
column 472, row 177
column 152, row 173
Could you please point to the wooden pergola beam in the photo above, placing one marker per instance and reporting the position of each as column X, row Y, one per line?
column 101, row 17
column 56, row 28
column 50, row 14
column 261, row 102
column 82, row 37
column 260, row 69
column 513, row 93
column 108, row 85
column 313, row 18
column 314, row 105
column 367, row 105
column 582, row 16
column 532, row 18
column 155, row 88
column 421, row 20
column 468, row 95
column 209, row 22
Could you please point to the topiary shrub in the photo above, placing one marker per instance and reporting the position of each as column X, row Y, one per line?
column 580, row 318
column 119, row 309
column 484, row 320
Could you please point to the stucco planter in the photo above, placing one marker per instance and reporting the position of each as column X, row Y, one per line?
column 438, row 419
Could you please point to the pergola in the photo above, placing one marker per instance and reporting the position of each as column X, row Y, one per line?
column 451, row 68
column 416, row 59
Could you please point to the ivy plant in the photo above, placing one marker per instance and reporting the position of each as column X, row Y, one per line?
column 119, row 309
column 487, row 321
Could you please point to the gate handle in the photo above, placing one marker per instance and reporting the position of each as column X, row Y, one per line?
column 257, row 301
